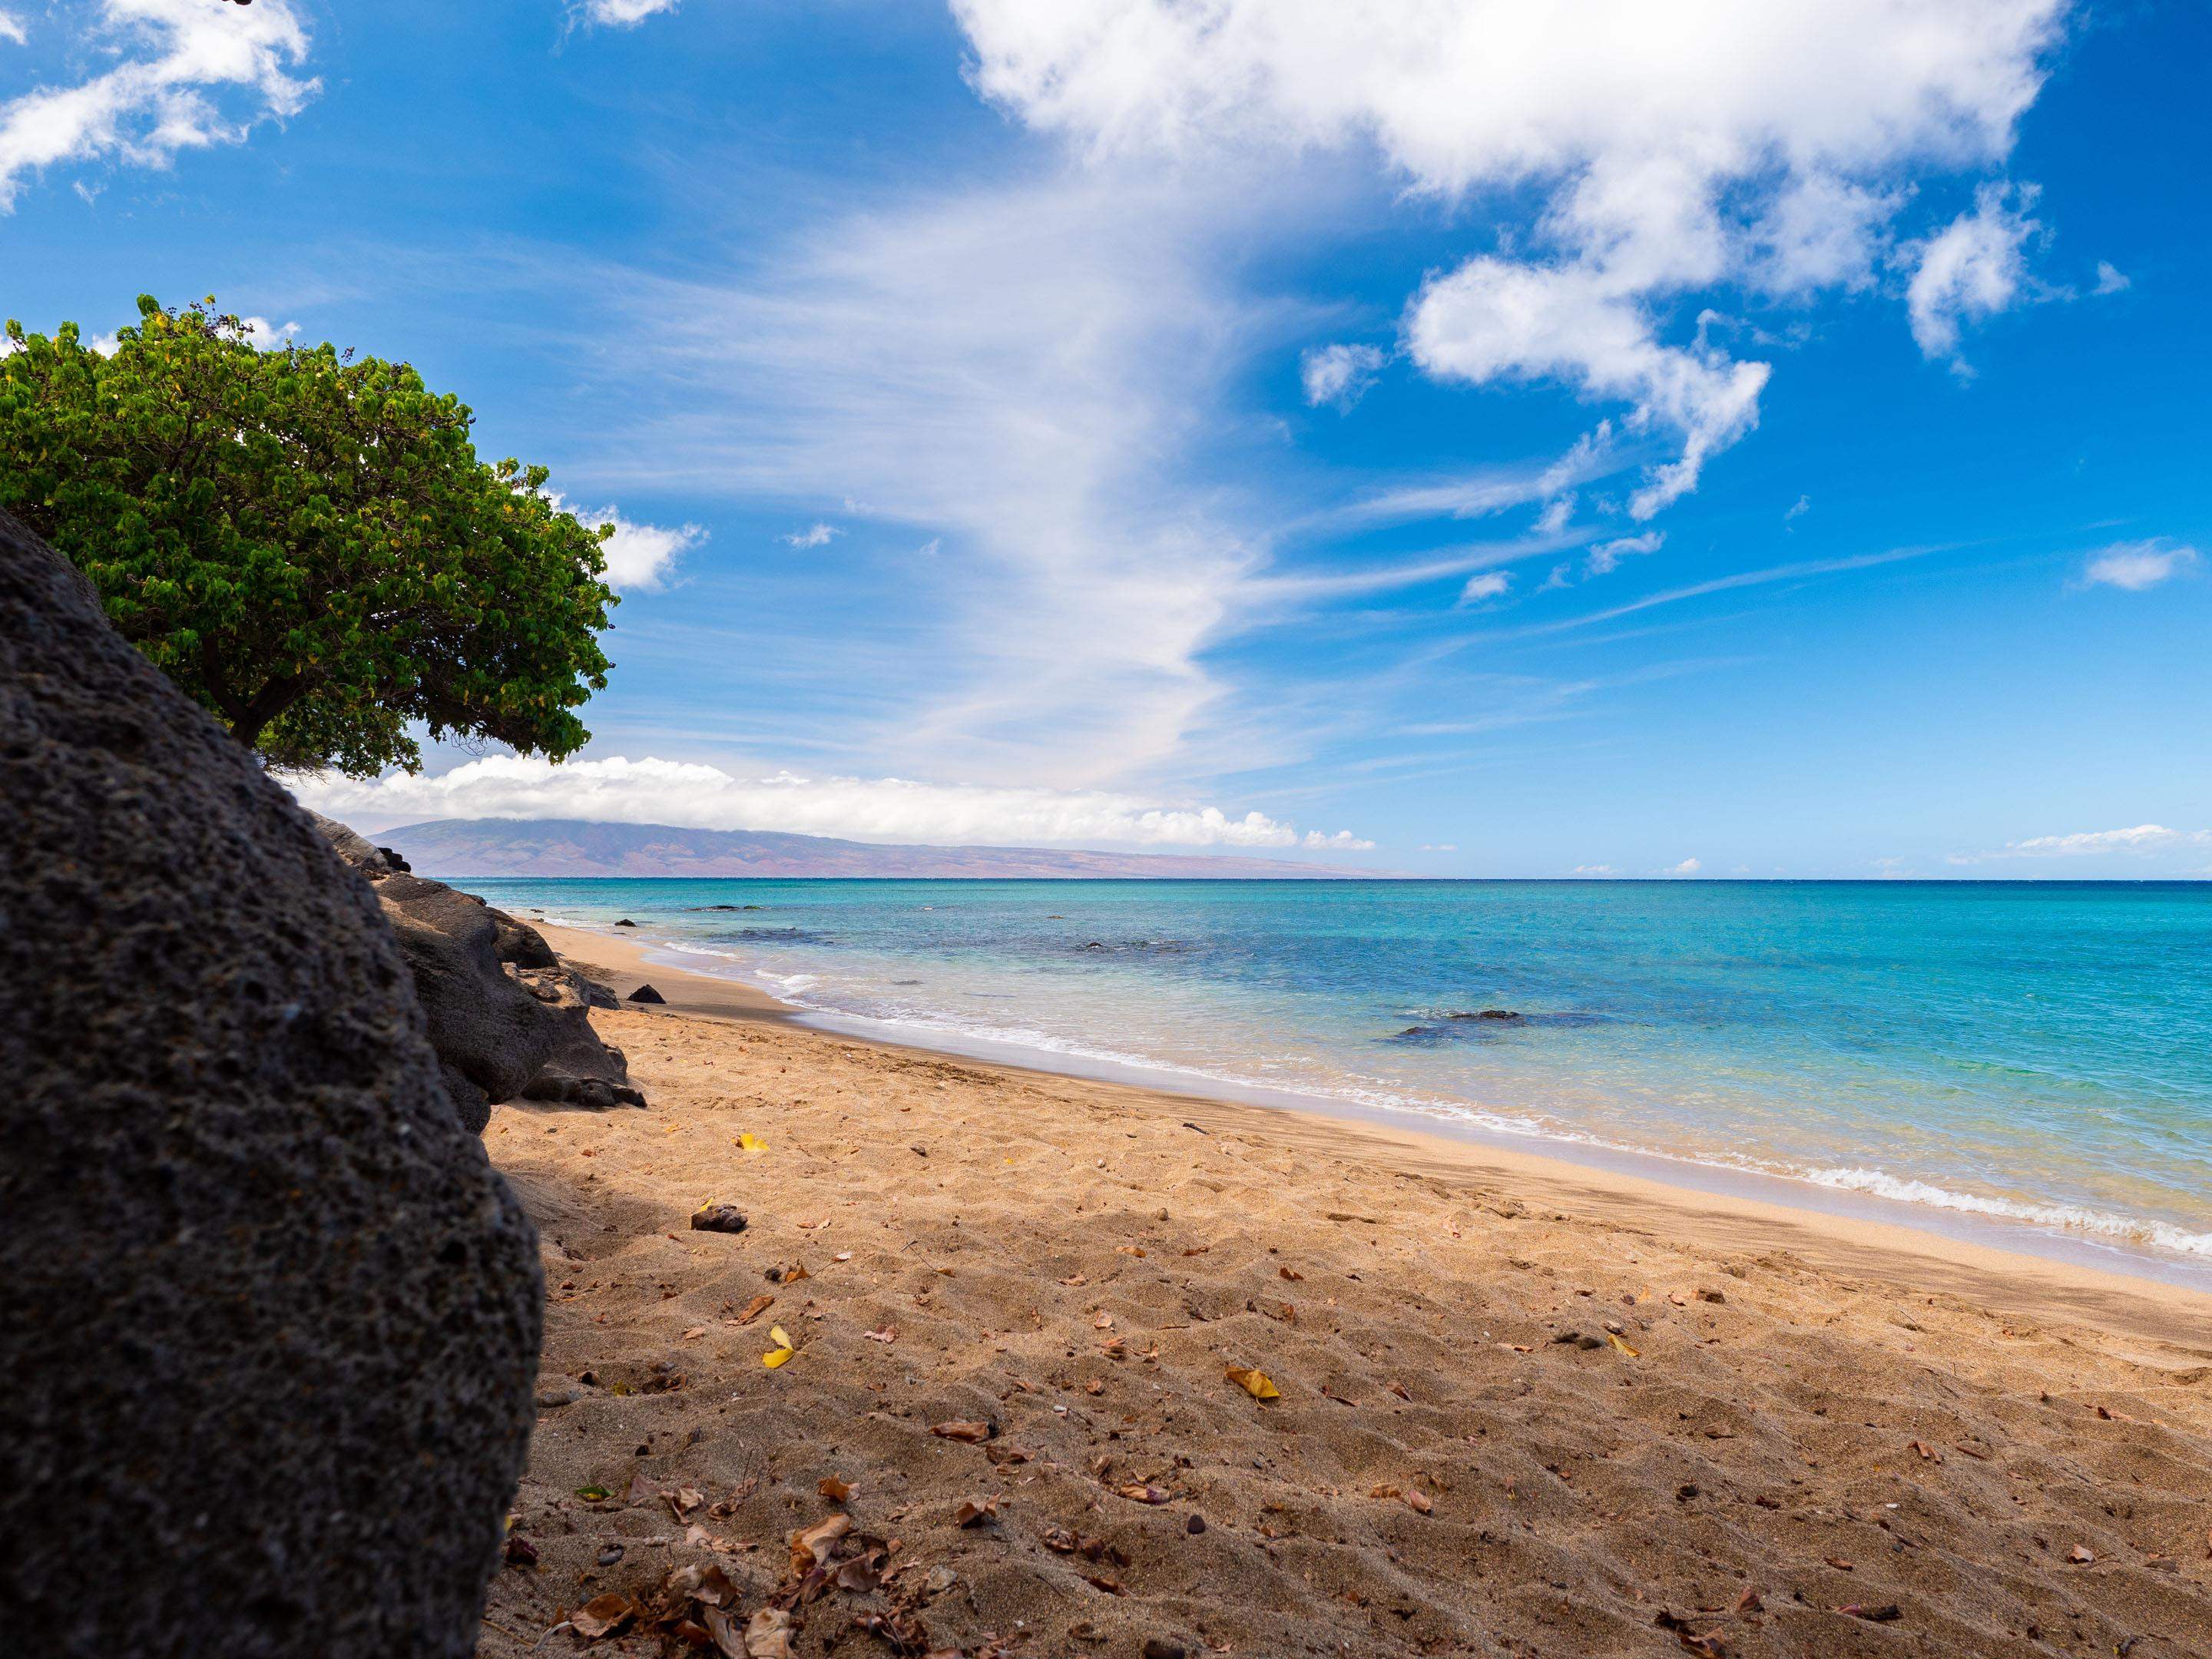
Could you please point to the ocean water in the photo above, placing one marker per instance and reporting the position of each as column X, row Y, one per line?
column 2032, row 1054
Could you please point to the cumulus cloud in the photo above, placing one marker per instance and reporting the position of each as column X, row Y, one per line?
column 697, row 796
column 2143, row 838
column 1686, row 867
column 1488, row 585
column 1671, row 148
column 2134, row 566
column 1974, row 268
column 1340, row 375
column 187, row 75
column 2111, row 279
column 640, row 556
column 1593, row 870
column 816, row 535
column 11, row 28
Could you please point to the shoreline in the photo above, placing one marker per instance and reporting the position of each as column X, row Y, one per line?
column 1851, row 1237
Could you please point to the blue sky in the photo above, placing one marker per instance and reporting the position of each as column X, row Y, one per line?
column 1721, row 437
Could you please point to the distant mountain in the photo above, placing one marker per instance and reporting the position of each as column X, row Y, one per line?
column 568, row 847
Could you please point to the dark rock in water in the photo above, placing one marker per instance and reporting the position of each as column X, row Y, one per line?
column 283, row 1410
column 509, row 1021
column 625, row 922
column 1506, row 1014
column 646, row 993
column 718, row 1218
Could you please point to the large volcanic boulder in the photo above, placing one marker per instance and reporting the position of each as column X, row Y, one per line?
column 269, row 1319
column 507, row 1019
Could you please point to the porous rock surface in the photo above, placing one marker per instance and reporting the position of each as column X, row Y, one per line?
column 269, row 1319
column 508, row 1019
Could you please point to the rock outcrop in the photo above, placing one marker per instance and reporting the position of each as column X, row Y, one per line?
column 508, row 1020
column 269, row 1319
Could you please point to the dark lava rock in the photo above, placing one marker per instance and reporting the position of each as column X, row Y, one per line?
column 269, row 1320
column 646, row 993
column 625, row 922
column 391, row 857
column 1489, row 1013
column 507, row 1019
column 718, row 1218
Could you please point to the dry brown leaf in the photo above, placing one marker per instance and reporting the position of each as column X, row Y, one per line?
column 1400, row 1390
column 1198, row 1250
column 1254, row 1382
column 972, row 1513
column 1419, row 1500
column 602, row 1615
column 888, row 1334
column 722, row 1630
column 767, row 1634
column 1928, row 1453
column 1127, row 1250
column 755, row 1309
column 973, row 1433
column 1140, row 1494
column 694, row 1333
column 810, row 1544
column 1291, row 1273
column 1103, row 1322
column 835, row 1490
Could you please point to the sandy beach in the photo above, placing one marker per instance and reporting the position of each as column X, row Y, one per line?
column 1524, row 1407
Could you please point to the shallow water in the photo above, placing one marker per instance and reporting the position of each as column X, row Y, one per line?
column 2035, row 1051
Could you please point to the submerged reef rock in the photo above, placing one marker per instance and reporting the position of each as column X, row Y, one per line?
column 508, row 1020
column 269, row 1319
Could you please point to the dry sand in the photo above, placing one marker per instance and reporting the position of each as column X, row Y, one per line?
column 1526, row 1408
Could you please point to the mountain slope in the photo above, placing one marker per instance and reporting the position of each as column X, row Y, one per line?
column 569, row 847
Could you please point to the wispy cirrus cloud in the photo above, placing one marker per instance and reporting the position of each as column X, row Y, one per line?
column 2141, row 839
column 695, row 797
column 187, row 75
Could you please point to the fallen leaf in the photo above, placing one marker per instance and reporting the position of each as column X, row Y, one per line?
column 1840, row 1563
column 767, row 1634
column 602, row 1615
column 1142, row 1494
column 1399, row 1389
column 974, row 1433
column 972, row 1513
column 722, row 1630
column 1419, row 1499
column 1254, row 1382
column 2081, row 1555
column 685, row 1499
column 593, row 1494
column 521, row 1553
column 776, row 1359
column 749, row 1142
column 694, row 1333
column 1928, row 1453
column 1291, row 1273
column 1103, row 1322
column 1621, row 1345
column 887, row 1334
column 1749, row 1602
column 1127, row 1250
column 832, row 1488
column 811, row 1545
column 755, row 1309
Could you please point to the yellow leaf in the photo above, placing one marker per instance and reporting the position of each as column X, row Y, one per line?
column 1255, row 1383
column 1621, row 1345
column 778, row 1335
column 749, row 1142
column 772, row 1360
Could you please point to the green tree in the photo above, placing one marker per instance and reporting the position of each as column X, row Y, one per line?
column 306, row 542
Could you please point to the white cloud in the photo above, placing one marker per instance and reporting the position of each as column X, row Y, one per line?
column 1488, row 585
column 11, row 28
column 695, row 797
column 1606, row 557
column 1440, row 847
column 2111, row 279
column 816, row 535
column 1494, row 319
column 267, row 336
column 1672, row 148
column 640, row 556
column 1972, row 269
column 187, row 73
column 2134, row 566
column 623, row 14
column 2143, row 838
column 1799, row 509
column 1593, row 870
column 1686, row 867
column 1340, row 375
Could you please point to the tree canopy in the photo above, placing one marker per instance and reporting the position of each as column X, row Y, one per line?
column 305, row 541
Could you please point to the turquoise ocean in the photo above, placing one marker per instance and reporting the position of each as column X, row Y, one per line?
column 2027, row 1063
